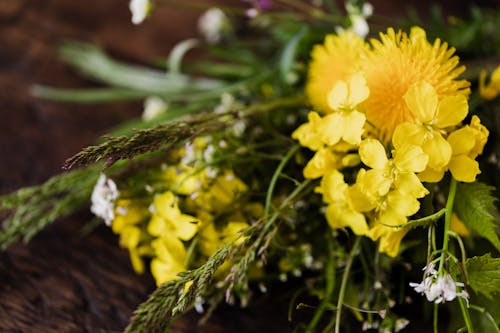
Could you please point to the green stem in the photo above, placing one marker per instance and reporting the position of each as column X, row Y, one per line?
column 343, row 286
column 466, row 315
column 447, row 223
column 275, row 177
column 435, row 318
column 330, row 284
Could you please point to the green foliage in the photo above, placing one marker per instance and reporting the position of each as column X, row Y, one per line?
column 169, row 299
column 484, row 274
column 31, row 209
column 474, row 204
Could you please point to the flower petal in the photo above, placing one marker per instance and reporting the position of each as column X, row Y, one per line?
column 462, row 141
column 464, row 168
column 337, row 97
column 358, row 90
column 331, row 128
column 340, row 216
column 373, row 154
column 408, row 134
column 410, row 158
column 323, row 161
column 422, row 100
column 354, row 123
column 451, row 111
column 430, row 175
column 439, row 151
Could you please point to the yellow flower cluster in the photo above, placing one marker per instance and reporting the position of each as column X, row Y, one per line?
column 492, row 89
column 198, row 210
column 395, row 107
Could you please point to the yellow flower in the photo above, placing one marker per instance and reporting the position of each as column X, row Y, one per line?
column 389, row 242
column 183, row 179
column 492, row 89
column 327, row 159
column 397, row 62
column 340, row 213
column 169, row 221
column 467, row 143
column 336, row 59
column 400, row 171
column 170, row 255
column 458, row 226
column 431, row 118
column 345, row 122
column 127, row 223
column 308, row 134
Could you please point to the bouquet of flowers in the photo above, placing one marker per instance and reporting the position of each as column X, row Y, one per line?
column 304, row 144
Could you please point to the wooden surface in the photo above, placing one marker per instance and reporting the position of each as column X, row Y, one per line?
column 64, row 281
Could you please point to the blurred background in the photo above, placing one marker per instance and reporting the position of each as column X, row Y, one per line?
column 65, row 280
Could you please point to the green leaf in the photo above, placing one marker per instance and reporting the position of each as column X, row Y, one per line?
column 288, row 56
column 474, row 204
column 484, row 274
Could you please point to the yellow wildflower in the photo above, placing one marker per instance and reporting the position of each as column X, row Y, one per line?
column 170, row 255
column 340, row 213
column 308, row 134
column 389, row 242
column 336, row 59
column 492, row 89
column 467, row 143
column 169, row 221
column 431, row 118
column 458, row 226
column 399, row 61
column 127, row 223
column 345, row 122
column 183, row 179
column 407, row 160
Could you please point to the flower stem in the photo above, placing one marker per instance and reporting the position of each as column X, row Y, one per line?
column 466, row 315
column 330, row 284
column 447, row 223
column 435, row 318
column 343, row 286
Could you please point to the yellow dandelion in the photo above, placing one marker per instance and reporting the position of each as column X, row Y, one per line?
column 397, row 62
column 336, row 59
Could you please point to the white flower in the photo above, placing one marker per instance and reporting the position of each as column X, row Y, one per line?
column 212, row 24
column 439, row 289
column 140, row 10
column 103, row 199
column 357, row 17
column 153, row 107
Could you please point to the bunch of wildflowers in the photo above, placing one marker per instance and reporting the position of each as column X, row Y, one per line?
column 188, row 210
column 416, row 119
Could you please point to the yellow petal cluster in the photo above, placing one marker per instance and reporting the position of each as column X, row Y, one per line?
column 432, row 119
column 394, row 107
column 189, row 205
column 489, row 90
column 335, row 60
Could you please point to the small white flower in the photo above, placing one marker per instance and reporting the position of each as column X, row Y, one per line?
column 357, row 17
column 198, row 304
column 239, row 128
column 189, row 153
column 103, row 199
column 440, row 289
column 208, row 153
column 400, row 324
column 140, row 10
column 153, row 107
column 212, row 24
